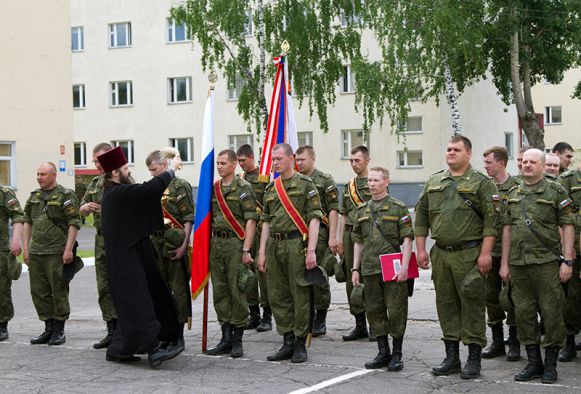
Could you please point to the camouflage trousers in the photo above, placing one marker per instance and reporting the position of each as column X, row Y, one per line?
column 229, row 302
column 459, row 295
column 536, row 288
column 253, row 296
column 49, row 290
column 105, row 300
column 386, row 305
column 493, row 286
column 322, row 293
column 289, row 302
column 348, row 255
column 572, row 310
column 6, row 307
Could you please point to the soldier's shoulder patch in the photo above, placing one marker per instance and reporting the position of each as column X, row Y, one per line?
column 312, row 193
column 565, row 203
column 13, row 202
column 406, row 219
column 179, row 197
column 331, row 187
column 67, row 203
column 496, row 197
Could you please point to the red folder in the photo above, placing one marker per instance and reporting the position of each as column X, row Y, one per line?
column 391, row 264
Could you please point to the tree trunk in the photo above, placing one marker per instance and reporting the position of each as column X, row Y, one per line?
column 262, row 65
column 453, row 101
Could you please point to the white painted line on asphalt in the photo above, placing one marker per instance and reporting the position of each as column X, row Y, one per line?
column 334, row 381
column 88, row 261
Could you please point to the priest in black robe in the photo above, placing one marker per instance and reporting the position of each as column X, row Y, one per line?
column 145, row 306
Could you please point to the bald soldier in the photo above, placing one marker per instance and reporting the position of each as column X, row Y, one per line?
column 552, row 164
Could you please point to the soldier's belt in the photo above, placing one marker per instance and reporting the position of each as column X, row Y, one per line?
column 223, row 234
column 457, row 248
column 285, row 236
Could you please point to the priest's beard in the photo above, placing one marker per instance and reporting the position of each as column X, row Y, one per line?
column 125, row 179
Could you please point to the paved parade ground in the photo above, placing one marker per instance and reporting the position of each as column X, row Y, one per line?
column 333, row 365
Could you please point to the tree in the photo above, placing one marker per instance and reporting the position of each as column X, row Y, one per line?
column 319, row 47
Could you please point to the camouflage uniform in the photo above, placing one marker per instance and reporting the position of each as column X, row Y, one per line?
column 94, row 193
column 285, row 258
column 49, row 290
column 10, row 210
column 458, row 231
column 178, row 201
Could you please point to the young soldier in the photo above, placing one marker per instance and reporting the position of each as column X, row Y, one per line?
column 495, row 161
column 171, row 244
column 292, row 212
column 10, row 211
column 460, row 206
column 233, row 224
column 382, row 225
column 246, row 161
column 530, row 258
column 565, row 153
column 327, row 242
column 51, row 224
column 356, row 194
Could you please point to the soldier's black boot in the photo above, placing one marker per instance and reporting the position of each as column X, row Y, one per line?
column 360, row 330
column 3, row 331
column 534, row 368
column 383, row 357
column 237, row 350
column 496, row 348
column 266, row 322
column 254, row 317
column 103, row 343
column 287, row 349
column 472, row 368
column 45, row 336
column 396, row 362
column 569, row 352
column 300, row 351
column 225, row 344
column 513, row 345
column 451, row 364
column 320, row 323
column 58, row 333
column 551, row 354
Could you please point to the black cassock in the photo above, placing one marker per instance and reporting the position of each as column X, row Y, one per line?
column 145, row 306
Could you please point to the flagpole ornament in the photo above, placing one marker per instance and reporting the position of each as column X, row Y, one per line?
column 212, row 78
column 285, row 46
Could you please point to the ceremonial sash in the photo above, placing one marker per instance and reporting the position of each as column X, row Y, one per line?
column 227, row 212
column 290, row 209
column 354, row 193
column 169, row 216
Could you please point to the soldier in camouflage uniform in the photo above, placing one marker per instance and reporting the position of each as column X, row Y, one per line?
column 352, row 198
column 230, row 253
column 495, row 161
column 171, row 244
column 51, row 224
column 327, row 243
column 91, row 204
column 530, row 258
column 10, row 212
column 282, row 253
column 565, row 153
column 251, row 171
column 382, row 225
column 461, row 208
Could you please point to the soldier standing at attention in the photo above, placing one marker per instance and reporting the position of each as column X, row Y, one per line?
column 233, row 224
column 91, row 204
column 531, row 246
column 290, row 223
column 495, row 161
column 461, row 208
column 327, row 242
column 171, row 243
column 10, row 211
column 51, row 225
column 565, row 153
column 382, row 225
column 356, row 194
column 246, row 161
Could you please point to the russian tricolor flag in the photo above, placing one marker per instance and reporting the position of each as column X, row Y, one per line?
column 203, row 218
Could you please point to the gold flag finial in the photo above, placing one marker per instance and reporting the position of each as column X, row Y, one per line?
column 213, row 77
column 285, row 46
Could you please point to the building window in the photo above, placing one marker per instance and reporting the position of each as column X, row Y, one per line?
column 78, row 96
column 235, row 88
column 120, row 35
column 180, row 90
column 409, row 159
column 121, row 93
column 236, row 141
column 177, row 32
column 509, row 144
column 351, row 139
column 185, row 146
column 413, row 125
column 305, row 138
column 553, row 115
column 347, row 80
column 7, row 164
column 80, row 154
column 248, row 23
column 128, row 148
column 77, row 39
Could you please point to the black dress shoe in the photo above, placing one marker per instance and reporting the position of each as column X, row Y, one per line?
column 122, row 359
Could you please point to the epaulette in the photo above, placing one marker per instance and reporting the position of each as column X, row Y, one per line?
column 65, row 190
column 6, row 189
column 269, row 186
column 364, row 205
column 243, row 182
column 557, row 186
column 96, row 178
column 549, row 177
column 325, row 175
column 36, row 191
column 486, row 176
column 567, row 174
column 304, row 177
column 398, row 202
column 438, row 172
column 514, row 187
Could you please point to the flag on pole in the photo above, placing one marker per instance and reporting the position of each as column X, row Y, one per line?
column 203, row 218
column 281, row 126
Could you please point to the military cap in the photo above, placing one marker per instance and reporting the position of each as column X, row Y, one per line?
column 339, row 270
column 356, row 297
column 14, row 268
column 328, row 263
column 315, row 277
column 246, row 278
column 69, row 270
column 505, row 298
column 173, row 238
